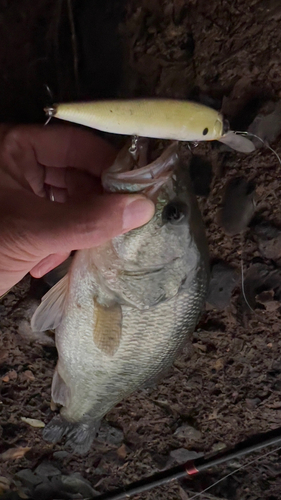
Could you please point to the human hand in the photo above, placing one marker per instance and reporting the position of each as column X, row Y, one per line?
column 37, row 234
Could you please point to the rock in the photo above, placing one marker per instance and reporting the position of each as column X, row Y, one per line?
column 28, row 478
column 60, row 455
column 44, row 491
column 46, row 469
column 269, row 240
column 11, row 495
column 77, row 484
column 266, row 299
column 252, row 403
column 188, row 432
column 222, row 283
column 110, row 434
column 218, row 446
column 266, row 278
column 238, row 205
column 161, row 461
column 100, row 471
column 267, row 124
column 181, row 455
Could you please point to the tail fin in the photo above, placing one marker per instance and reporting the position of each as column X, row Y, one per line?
column 79, row 435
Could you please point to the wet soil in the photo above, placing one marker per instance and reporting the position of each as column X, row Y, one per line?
column 228, row 386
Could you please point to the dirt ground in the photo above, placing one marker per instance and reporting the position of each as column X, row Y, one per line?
column 226, row 54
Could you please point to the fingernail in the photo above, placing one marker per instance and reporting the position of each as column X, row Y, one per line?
column 137, row 212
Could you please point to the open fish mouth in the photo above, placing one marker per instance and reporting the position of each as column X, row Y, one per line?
column 130, row 172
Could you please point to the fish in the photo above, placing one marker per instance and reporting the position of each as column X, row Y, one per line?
column 125, row 310
column 170, row 119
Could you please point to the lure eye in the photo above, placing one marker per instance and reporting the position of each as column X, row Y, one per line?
column 174, row 212
column 205, row 131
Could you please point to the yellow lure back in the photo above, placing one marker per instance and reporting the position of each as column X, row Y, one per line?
column 155, row 118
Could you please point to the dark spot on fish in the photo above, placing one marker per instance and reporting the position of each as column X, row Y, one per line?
column 205, row 131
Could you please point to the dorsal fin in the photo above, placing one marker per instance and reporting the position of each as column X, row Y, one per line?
column 49, row 313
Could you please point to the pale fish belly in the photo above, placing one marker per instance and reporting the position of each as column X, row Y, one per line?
column 150, row 340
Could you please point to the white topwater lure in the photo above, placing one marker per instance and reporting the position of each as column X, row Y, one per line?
column 155, row 118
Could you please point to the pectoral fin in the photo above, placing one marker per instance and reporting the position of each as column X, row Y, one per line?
column 108, row 327
column 49, row 314
column 237, row 142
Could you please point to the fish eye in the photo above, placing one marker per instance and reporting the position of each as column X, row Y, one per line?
column 174, row 212
column 205, row 131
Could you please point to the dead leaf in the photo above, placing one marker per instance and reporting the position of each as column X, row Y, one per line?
column 14, row 453
column 122, row 451
column 213, row 415
column 3, row 356
column 11, row 375
column 201, row 347
column 27, row 376
column 33, row 422
column 22, row 495
column 4, row 485
column 183, row 494
column 219, row 364
column 274, row 406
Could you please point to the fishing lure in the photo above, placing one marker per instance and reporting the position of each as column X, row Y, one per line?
column 155, row 118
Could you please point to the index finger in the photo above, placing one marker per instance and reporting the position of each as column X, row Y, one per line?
column 61, row 146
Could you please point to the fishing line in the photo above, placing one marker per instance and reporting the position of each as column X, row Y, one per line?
column 50, row 108
column 242, row 276
column 238, row 132
column 245, row 133
column 197, row 495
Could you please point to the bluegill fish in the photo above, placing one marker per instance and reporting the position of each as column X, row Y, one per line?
column 157, row 118
column 125, row 309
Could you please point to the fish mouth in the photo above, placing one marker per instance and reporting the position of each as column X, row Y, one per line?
column 127, row 175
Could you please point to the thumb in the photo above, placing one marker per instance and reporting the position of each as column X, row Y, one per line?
column 63, row 227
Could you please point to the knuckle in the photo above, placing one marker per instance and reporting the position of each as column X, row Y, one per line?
column 12, row 142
